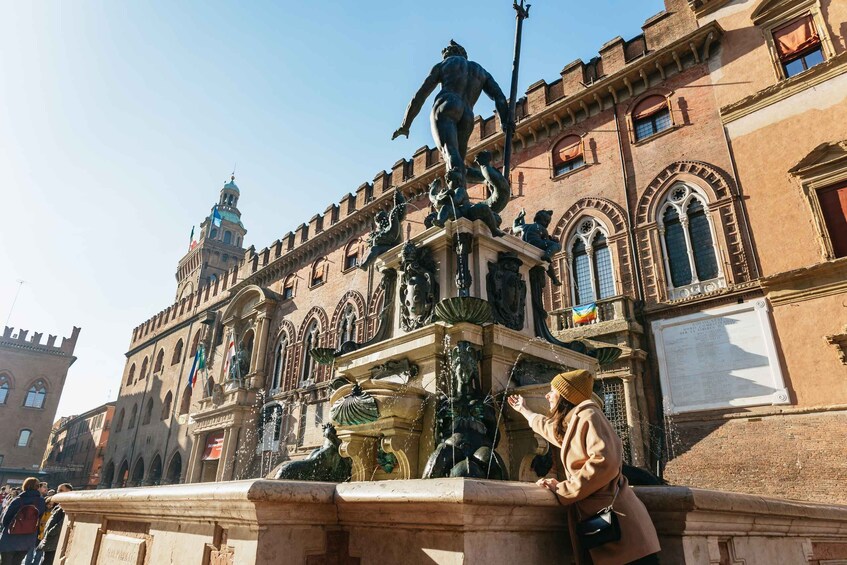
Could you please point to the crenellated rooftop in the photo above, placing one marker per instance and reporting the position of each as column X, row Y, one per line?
column 20, row 341
column 670, row 43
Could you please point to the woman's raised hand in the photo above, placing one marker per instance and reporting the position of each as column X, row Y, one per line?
column 516, row 401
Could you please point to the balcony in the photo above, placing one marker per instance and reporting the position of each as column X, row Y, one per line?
column 616, row 314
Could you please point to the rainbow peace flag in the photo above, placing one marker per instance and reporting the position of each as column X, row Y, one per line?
column 585, row 314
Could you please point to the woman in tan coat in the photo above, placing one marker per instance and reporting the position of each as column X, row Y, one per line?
column 592, row 457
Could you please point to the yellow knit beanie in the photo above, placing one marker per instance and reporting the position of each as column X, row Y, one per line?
column 574, row 386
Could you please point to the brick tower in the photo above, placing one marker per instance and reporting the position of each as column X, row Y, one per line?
column 217, row 247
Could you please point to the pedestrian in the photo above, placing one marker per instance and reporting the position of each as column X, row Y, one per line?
column 50, row 540
column 20, row 522
column 592, row 459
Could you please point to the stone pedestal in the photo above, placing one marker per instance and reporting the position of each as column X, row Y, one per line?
column 443, row 521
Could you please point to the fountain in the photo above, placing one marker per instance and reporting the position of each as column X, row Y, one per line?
column 422, row 403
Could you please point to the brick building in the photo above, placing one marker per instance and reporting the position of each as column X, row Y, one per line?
column 32, row 376
column 77, row 444
column 671, row 162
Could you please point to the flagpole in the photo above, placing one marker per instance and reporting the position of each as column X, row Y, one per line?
column 522, row 13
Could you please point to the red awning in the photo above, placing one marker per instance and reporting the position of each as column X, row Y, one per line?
column 650, row 106
column 214, row 446
column 795, row 37
column 568, row 149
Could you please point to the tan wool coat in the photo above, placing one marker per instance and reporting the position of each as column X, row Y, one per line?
column 592, row 454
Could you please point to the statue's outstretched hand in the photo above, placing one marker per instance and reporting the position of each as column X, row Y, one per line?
column 400, row 131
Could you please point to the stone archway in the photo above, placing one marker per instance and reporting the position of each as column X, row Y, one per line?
column 154, row 477
column 174, row 473
column 137, row 478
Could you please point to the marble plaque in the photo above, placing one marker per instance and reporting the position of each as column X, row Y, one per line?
column 121, row 550
column 719, row 358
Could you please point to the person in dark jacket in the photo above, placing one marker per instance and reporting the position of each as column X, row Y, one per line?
column 14, row 547
column 50, row 539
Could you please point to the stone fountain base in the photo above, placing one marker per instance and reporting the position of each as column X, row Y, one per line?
column 421, row 522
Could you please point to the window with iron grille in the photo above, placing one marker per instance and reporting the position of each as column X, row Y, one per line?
column 615, row 410
column 701, row 242
column 676, row 248
column 603, row 268
column 651, row 125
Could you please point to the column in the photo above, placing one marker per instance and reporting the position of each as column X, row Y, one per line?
column 226, row 465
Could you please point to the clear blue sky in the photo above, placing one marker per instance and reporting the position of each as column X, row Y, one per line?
column 119, row 123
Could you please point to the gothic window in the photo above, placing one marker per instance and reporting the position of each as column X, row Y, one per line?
column 132, row 417
column 651, row 116
column 35, row 395
column 227, row 237
column 195, row 344
column 798, row 45
column 288, row 287
column 185, row 405
column 310, row 341
column 23, row 438
column 166, row 406
column 120, row 422
column 688, row 241
column 131, row 375
column 318, row 276
column 351, row 255
column 592, row 272
column 833, row 202
column 4, row 388
column 160, row 361
column 143, row 374
column 148, row 412
column 279, row 362
column 347, row 325
column 177, row 357
column 567, row 155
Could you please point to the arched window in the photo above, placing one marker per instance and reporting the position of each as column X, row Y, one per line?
column 347, row 325
column 174, row 470
column 567, row 155
column 318, row 272
column 143, row 374
column 592, row 274
column 689, row 247
column 155, row 475
column 279, row 362
column 195, row 343
column 131, row 376
column 35, row 395
column 138, row 473
column 213, row 234
column 288, row 287
column 108, row 475
column 351, row 255
column 177, row 353
column 120, row 422
column 310, row 341
column 23, row 438
column 4, row 388
column 123, row 474
column 227, row 237
column 132, row 417
column 270, row 427
column 160, row 361
column 148, row 412
column 185, row 405
column 166, row 405
column 651, row 116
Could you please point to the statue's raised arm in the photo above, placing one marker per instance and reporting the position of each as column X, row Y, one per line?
column 417, row 102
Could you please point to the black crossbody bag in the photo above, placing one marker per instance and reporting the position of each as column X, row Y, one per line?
column 601, row 528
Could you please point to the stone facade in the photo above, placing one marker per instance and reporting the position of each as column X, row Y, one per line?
column 671, row 163
column 77, row 444
column 32, row 376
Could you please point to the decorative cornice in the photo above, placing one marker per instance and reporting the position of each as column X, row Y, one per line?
column 703, row 8
column 785, row 88
column 808, row 283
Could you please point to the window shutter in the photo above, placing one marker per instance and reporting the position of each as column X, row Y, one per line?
column 649, row 106
column 834, row 206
